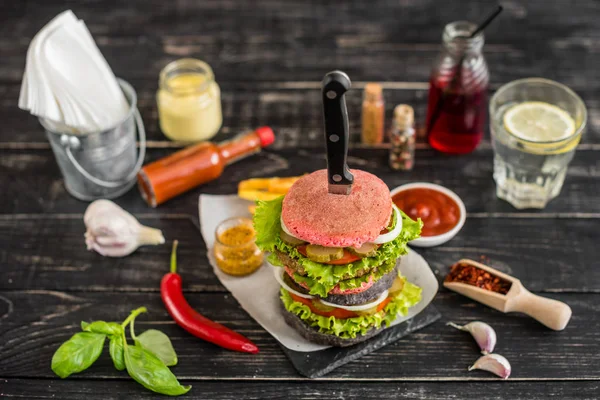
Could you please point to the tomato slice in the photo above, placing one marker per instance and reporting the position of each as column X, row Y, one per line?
column 384, row 303
column 346, row 259
column 339, row 313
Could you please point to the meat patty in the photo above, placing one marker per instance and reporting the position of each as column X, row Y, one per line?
column 297, row 267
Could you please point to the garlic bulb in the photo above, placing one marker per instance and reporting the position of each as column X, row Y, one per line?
column 484, row 335
column 493, row 363
column 113, row 232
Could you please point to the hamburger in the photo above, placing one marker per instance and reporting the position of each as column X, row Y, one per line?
column 337, row 257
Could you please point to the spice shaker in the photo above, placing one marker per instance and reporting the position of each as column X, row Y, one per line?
column 373, row 114
column 402, row 138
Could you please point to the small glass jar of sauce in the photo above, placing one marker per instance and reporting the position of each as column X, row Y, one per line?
column 235, row 249
column 189, row 101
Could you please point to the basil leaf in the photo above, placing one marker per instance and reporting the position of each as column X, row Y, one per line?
column 78, row 353
column 147, row 370
column 107, row 328
column 158, row 344
column 116, row 352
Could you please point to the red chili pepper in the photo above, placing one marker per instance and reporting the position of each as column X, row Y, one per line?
column 190, row 320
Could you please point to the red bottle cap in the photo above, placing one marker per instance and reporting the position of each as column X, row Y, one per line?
column 266, row 136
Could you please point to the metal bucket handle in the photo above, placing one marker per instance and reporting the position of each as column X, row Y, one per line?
column 72, row 143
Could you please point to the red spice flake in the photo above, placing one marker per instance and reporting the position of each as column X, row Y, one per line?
column 466, row 273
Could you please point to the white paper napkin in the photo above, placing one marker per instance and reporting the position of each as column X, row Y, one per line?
column 68, row 82
column 258, row 293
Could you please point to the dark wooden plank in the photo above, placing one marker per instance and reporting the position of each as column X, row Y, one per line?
column 32, row 183
column 113, row 389
column 49, row 253
column 296, row 115
column 34, row 323
column 297, row 40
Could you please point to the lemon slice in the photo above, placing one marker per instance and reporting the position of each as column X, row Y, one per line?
column 537, row 121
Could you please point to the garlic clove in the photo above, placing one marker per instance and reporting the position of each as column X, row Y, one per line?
column 113, row 232
column 150, row 236
column 484, row 335
column 109, row 241
column 494, row 363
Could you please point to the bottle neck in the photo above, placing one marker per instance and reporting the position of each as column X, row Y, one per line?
column 240, row 147
column 373, row 93
column 457, row 41
column 462, row 63
column 404, row 116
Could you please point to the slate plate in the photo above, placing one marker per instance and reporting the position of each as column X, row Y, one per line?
column 318, row 363
column 310, row 359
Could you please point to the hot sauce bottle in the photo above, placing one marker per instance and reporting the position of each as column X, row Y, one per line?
column 184, row 170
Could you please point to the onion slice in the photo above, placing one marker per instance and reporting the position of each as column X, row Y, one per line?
column 360, row 307
column 286, row 229
column 278, row 272
column 393, row 234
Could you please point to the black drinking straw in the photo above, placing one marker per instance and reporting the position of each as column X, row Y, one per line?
column 438, row 107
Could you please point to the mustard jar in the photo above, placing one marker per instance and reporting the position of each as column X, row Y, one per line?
column 235, row 249
column 189, row 101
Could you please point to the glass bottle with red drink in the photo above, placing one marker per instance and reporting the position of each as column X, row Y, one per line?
column 456, row 111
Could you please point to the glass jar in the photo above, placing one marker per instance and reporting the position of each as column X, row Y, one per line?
column 189, row 101
column 458, row 86
column 235, row 249
column 402, row 138
column 373, row 114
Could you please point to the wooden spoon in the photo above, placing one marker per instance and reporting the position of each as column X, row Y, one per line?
column 552, row 313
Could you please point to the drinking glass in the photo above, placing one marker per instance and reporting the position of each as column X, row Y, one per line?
column 530, row 173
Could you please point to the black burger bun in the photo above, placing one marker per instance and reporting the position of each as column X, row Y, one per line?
column 313, row 335
column 368, row 295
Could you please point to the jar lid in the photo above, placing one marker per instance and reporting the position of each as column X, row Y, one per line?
column 404, row 114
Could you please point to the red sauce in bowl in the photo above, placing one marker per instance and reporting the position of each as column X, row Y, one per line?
column 438, row 211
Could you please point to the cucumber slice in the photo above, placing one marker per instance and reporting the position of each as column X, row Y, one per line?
column 324, row 254
column 289, row 239
column 322, row 307
column 370, row 311
column 366, row 250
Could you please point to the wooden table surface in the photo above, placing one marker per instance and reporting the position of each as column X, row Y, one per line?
column 269, row 58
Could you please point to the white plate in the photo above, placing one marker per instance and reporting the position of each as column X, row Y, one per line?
column 258, row 293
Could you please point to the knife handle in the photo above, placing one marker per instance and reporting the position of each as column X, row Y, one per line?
column 334, row 86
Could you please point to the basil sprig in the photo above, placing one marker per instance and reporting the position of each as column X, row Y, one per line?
column 78, row 353
column 147, row 361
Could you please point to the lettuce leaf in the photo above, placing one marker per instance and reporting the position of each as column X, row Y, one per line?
column 351, row 327
column 324, row 277
column 321, row 290
column 267, row 223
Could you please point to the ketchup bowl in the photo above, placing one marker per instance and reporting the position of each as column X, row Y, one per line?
column 442, row 211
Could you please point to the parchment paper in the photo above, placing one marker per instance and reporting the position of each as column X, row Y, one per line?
column 257, row 293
